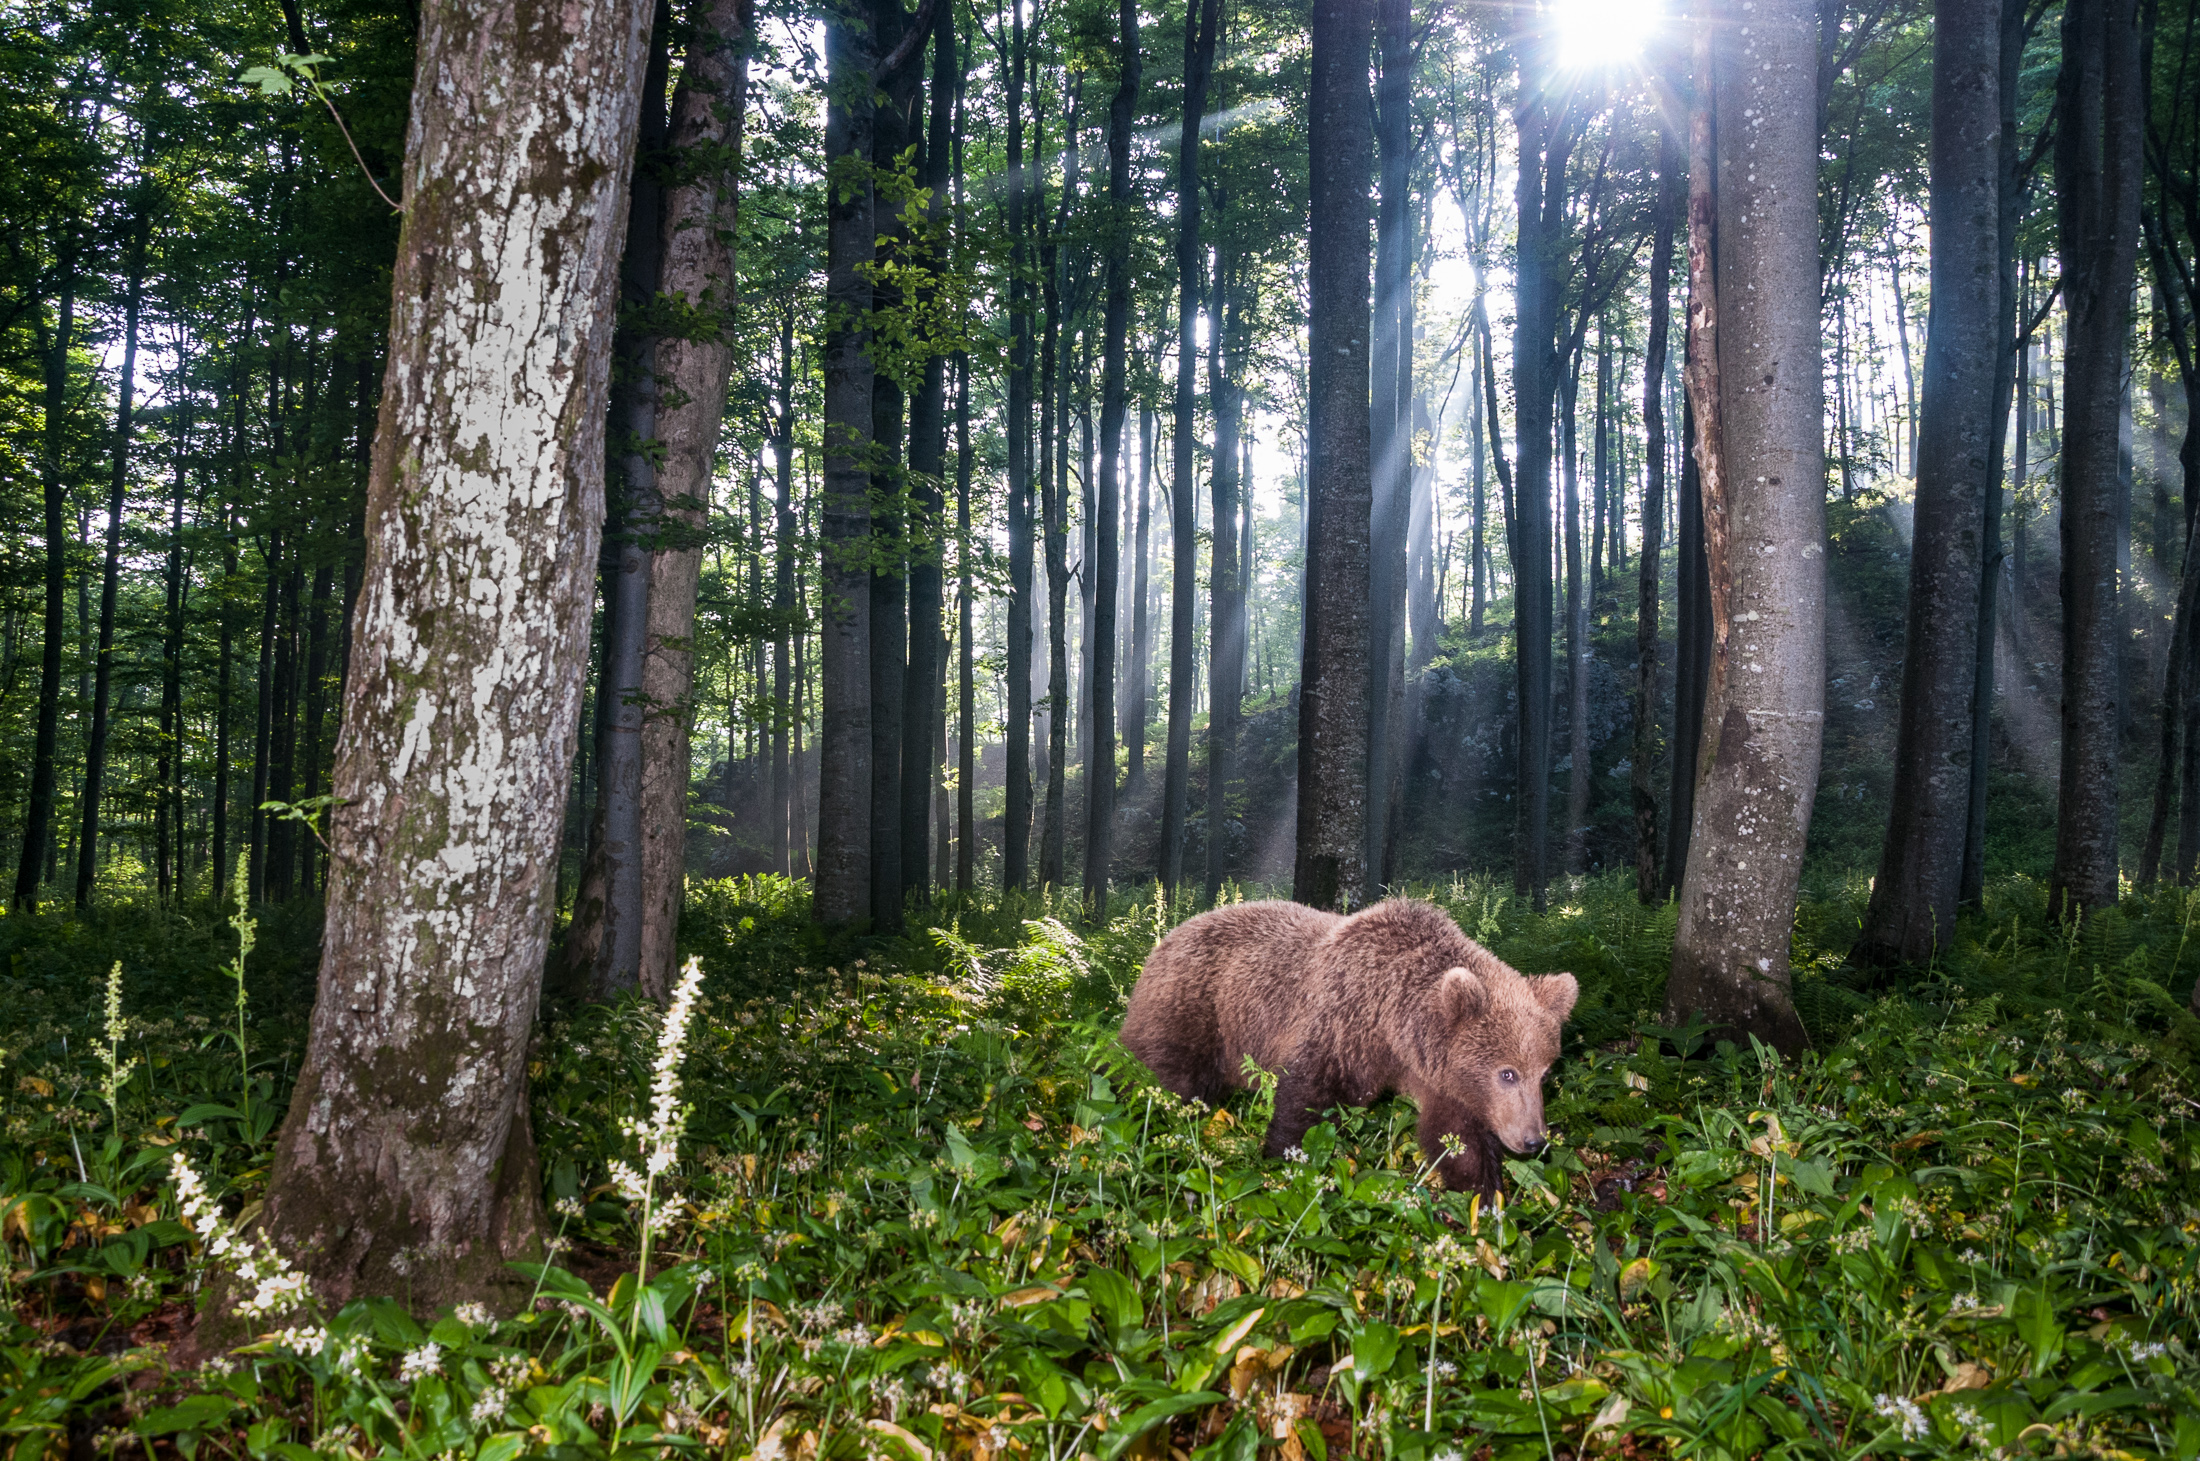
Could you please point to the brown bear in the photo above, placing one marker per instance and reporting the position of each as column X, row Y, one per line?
column 1345, row 1009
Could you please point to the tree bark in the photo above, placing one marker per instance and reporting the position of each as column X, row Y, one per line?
column 1335, row 678
column 406, row 1163
column 701, row 217
column 1202, row 20
column 1691, row 656
column 1670, row 198
column 55, row 345
column 1391, row 418
column 1578, row 754
column 118, row 484
column 2099, row 107
column 842, row 876
column 1114, row 406
column 168, row 771
column 966, row 684
column 1764, row 725
column 785, row 607
column 1139, row 680
column 603, row 942
column 1225, row 570
column 1912, row 912
column 1016, row 824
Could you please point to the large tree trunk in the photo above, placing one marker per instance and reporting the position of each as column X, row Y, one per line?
column 1421, row 618
column 1138, row 682
column 1225, row 651
column 1577, row 625
column 603, row 942
column 697, row 270
column 1016, row 825
column 843, row 865
column 1546, row 129
column 2099, row 107
column 1114, row 406
column 1691, row 656
column 95, row 752
column 1202, row 20
column 966, row 682
column 55, row 345
column 1391, row 419
column 168, row 771
column 2009, row 209
column 1334, row 675
column 406, row 1164
column 1913, row 904
column 785, row 771
column 1764, row 726
column 1671, row 184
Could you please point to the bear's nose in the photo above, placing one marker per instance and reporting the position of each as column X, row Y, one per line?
column 1536, row 1143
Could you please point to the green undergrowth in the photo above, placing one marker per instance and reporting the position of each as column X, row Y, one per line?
column 924, row 1208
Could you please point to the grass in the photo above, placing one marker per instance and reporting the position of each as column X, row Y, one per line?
column 925, row 1208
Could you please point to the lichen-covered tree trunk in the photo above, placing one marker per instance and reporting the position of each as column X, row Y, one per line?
column 1913, row 902
column 697, row 270
column 1334, row 675
column 406, row 1164
column 1765, row 713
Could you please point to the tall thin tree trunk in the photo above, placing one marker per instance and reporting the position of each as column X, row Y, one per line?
column 843, row 860
column 95, row 753
column 1016, row 826
column 2099, row 110
column 966, row 682
column 168, row 772
column 1391, row 418
column 1202, row 20
column 1913, row 903
column 1764, row 726
column 55, row 347
column 1114, row 406
column 696, row 269
column 784, row 604
column 1671, row 194
column 1140, row 679
column 1421, row 617
column 406, row 1163
column 1335, row 678
column 1225, row 650
column 1578, row 591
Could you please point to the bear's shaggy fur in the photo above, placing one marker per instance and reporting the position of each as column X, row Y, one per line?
column 1346, row 1009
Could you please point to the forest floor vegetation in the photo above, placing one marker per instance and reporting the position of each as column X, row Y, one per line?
column 922, row 1206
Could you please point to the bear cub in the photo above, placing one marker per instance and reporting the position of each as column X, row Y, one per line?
column 1346, row 1009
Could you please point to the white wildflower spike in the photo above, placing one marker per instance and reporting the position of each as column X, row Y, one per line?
column 1904, row 1412
column 276, row 1287
column 419, row 1363
column 118, row 1030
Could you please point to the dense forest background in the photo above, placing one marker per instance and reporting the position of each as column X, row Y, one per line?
column 197, row 285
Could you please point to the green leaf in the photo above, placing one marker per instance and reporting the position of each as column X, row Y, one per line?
column 271, row 80
column 1151, row 1414
column 1374, row 1347
column 1116, row 1297
column 195, row 1413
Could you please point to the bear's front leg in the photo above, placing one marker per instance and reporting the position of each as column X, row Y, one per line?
column 1303, row 1092
column 1472, row 1164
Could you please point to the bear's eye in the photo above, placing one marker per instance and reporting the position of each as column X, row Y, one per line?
column 1509, row 1077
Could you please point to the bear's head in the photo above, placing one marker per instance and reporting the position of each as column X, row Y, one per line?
column 1497, row 1033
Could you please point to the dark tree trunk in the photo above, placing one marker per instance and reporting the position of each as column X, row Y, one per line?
column 1691, row 656
column 1577, row 626
column 263, row 722
column 2099, row 108
column 1114, row 405
column 55, row 346
column 1764, row 728
column 603, row 943
column 406, row 1163
column 118, row 483
column 1140, row 679
column 2009, row 201
column 1913, row 903
column 1202, row 20
column 1225, row 649
column 1334, row 676
column 1391, row 420
column 843, row 862
column 1421, row 617
column 1016, row 826
column 700, row 211
column 966, row 684
column 309, row 850
column 784, row 607
column 1054, row 525
column 1672, row 184
column 168, row 771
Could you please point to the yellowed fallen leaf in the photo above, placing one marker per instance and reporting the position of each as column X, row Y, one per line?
column 916, row 1447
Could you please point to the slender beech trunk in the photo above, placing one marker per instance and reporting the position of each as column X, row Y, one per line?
column 1139, row 681
column 1913, row 903
column 696, row 269
column 785, row 609
column 843, row 862
column 55, row 344
column 406, row 1163
column 2099, row 110
column 1578, row 752
column 1335, row 677
column 966, row 681
column 603, row 943
column 1672, row 186
column 1691, row 651
column 1202, row 20
column 922, row 685
column 1421, row 618
column 118, row 483
column 1114, row 406
column 2009, row 209
column 1016, row 824
column 1546, row 128
column 1225, row 650
column 168, row 771
column 1764, row 726
column 1391, row 418
column 1054, row 524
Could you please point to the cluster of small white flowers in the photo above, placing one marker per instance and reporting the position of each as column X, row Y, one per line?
column 1968, row 1417
column 855, row 1336
column 303, row 1340
column 822, row 1315
column 660, row 1135
column 474, row 1315
column 1446, row 1370
column 276, row 1286
column 1855, row 1240
column 512, row 1371
column 118, row 1030
column 1964, row 1304
column 1971, row 1256
column 944, row 1377
column 569, row 1208
column 419, row 1363
column 488, row 1406
column 801, row 1161
column 1903, row 1411
column 1294, row 1154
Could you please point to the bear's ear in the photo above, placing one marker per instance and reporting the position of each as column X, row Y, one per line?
column 1556, row 993
column 1461, row 994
